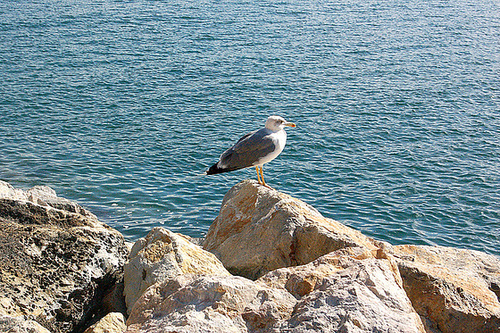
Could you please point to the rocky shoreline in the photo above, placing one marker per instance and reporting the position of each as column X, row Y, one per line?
column 269, row 263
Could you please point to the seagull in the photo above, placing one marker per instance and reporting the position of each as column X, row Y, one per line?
column 255, row 149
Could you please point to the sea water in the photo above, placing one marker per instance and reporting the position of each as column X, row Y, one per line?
column 121, row 105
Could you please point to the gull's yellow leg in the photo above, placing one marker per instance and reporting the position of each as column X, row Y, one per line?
column 262, row 176
column 258, row 178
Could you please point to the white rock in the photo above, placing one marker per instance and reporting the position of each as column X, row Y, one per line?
column 341, row 294
column 210, row 304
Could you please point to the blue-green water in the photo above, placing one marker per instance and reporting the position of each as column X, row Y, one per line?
column 119, row 105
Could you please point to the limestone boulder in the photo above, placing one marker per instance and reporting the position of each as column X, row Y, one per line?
column 193, row 304
column 163, row 255
column 57, row 259
column 454, row 290
column 260, row 229
column 347, row 290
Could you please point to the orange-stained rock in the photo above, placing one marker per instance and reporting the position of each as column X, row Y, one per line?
column 260, row 229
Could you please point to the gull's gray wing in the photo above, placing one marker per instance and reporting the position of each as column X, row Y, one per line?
column 247, row 151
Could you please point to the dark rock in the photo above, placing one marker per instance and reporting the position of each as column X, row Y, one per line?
column 57, row 260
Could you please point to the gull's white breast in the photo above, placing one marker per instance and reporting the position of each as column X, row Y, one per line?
column 279, row 139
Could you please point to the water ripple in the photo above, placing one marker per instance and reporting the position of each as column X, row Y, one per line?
column 121, row 105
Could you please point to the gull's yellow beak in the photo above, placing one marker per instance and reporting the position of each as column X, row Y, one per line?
column 290, row 124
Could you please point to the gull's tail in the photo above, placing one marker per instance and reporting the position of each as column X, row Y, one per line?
column 215, row 169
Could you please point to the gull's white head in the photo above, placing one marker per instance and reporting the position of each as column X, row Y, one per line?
column 277, row 123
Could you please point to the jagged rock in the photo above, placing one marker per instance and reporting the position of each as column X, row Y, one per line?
column 348, row 290
column 57, row 259
column 113, row 322
column 260, row 229
column 20, row 325
column 301, row 280
column 345, row 291
column 454, row 290
column 312, row 274
column 163, row 255
column 193, row 304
